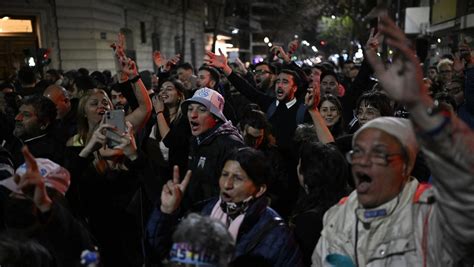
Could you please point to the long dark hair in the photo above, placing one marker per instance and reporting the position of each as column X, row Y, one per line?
column 325, row 173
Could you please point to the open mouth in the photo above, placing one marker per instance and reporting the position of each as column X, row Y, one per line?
column 279, row 92
column 363, row 182
column 225, row 196
column 194, row 125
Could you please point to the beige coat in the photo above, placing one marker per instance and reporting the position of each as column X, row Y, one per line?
column 422, row 226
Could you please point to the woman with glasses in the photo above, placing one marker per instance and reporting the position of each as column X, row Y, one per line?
column 369, row 106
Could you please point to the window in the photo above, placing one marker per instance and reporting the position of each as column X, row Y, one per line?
column 8, row 25
column 142, row 32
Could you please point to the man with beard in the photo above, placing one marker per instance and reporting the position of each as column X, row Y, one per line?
column 33, row 126
column 265, row 76
column 284, row 111
column 119, row 100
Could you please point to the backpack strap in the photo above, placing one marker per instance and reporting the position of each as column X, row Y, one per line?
column 276, row 221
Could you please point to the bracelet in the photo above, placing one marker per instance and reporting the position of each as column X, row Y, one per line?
column 135, row 79
column 158, row 112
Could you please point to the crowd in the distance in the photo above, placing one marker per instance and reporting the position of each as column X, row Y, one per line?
column 274, row 164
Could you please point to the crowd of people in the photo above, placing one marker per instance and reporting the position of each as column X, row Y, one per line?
column 274, row 164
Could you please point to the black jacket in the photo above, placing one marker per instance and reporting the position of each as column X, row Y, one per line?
column 57, row 231
column 261, row 233
column 206, row 159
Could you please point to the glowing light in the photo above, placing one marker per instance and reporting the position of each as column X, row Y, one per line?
column 359, row 54
column 235, row 31
column 6, row 18
column 314, row 48
column 296, row 36
column 333, row 17
column 270, row 44
column 31, row 62
column 266, row 40
column 439, row 40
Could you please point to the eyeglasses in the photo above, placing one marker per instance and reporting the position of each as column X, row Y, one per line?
column 356, row 156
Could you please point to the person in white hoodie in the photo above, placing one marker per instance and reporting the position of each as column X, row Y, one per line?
column 391, row 219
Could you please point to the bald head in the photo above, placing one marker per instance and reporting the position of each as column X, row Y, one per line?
column 61, row 99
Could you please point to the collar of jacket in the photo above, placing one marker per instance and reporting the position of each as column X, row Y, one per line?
column 220, row 129
column 252, row 215
column 386, row 209
column 288, row 104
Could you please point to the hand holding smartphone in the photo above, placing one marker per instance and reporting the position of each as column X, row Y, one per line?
column 115, row 118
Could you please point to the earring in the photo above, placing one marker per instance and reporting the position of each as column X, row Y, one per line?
column 306, row 189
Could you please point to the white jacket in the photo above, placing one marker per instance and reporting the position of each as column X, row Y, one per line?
column 423, row 226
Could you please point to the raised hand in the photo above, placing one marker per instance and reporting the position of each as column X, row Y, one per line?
column 173, row 190
column 312, row 97
column 279, row 52
column 97, row 140
column 172, row 62
column 32, row 184
column 462, row 57
column 216, row 61
column 157, row 59
column 158, row 104
column 127, row 142
column 129, row 67
column 292, row 47
column 374, row 40
column 241, row 66
column 403, row 79
column 119, row 46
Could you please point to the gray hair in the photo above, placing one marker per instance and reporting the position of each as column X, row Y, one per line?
column 206, row 233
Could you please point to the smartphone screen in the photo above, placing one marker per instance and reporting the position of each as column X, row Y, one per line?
column 115, row 118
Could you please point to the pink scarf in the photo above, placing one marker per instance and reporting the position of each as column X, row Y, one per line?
column 218, row 214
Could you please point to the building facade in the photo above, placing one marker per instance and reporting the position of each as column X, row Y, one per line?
column 79, row 33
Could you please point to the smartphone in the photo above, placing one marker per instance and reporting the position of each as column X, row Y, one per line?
column 115, row 118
